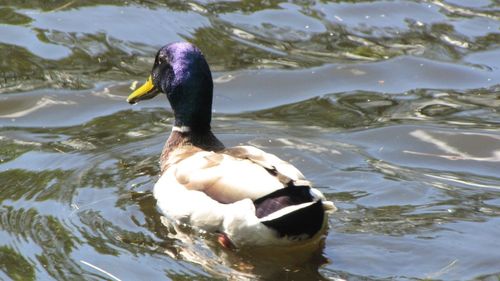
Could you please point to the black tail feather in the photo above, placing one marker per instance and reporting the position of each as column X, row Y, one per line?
column 288, row 196
column 305, row 221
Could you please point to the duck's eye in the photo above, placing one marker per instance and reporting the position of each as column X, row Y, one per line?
column 155, row 75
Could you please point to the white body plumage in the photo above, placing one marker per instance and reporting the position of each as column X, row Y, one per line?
column 214, row 191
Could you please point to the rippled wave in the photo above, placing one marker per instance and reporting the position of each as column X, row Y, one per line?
column 389, row 107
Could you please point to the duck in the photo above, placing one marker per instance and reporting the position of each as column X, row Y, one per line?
column 246, row 196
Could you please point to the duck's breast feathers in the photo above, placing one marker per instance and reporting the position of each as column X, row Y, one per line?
column 233, row 174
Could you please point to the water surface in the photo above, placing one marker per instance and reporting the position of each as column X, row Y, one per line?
column 389, row 107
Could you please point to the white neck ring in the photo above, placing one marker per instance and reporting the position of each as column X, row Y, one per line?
column 181, row 129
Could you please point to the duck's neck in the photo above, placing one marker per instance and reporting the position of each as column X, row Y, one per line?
column 184, row 136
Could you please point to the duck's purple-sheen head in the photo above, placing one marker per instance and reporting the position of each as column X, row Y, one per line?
column 182, row 73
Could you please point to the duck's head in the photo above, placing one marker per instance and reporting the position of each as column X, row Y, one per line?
column 182, row 73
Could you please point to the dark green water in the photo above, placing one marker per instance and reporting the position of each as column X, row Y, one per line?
column 389, row 107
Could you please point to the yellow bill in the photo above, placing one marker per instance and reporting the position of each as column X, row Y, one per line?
column 144, row 92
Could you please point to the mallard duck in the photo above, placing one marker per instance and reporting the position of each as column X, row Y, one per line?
column 247, row 196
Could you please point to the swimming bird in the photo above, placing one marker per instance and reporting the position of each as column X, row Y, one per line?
column 247, row 196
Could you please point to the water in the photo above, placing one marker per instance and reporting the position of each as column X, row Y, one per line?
column 389, row 107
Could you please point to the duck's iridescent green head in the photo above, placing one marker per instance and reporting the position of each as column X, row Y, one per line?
column 182, row 73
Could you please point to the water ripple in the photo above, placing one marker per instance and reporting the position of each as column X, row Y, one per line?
column 389, row 107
